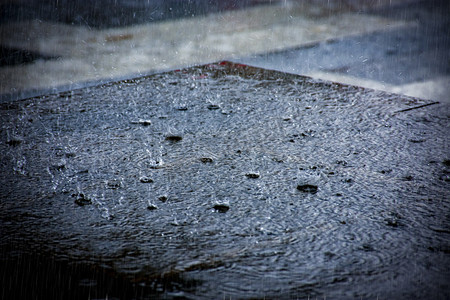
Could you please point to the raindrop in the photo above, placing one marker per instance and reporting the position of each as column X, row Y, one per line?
column 213, row 107
column 174, row 138
column 252, row 175
column 152, row 206
column 416, row 141
column 82, row 199
column 142, row 122
column 367, row 247
column 145, row 179
column 391, row 222
column 206, row 160
column 221, row 207
column 113, row 184
column 58, row 167
column 307, row 188
column 162, row 198
column 14, row 142
column 408, row 178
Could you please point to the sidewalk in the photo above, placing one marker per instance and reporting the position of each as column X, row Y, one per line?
column 74, row 55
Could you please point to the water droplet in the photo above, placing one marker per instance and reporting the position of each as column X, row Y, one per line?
column 81, row 199
column 58, row 167
column 221, row 207
column 391, row 222
column 14, row 142
column 174, row 138
column 367, row 247
column 113, row 184
column 213, row 107
column 416, row 141
column 206, row 160
column 142, row 122
column 145, row 179
column 70, row 154
column 152, row 206
column 252, row 175
column 408, row 178
column 307, row 188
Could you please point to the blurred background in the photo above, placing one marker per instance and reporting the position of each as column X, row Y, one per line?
column 399, row 46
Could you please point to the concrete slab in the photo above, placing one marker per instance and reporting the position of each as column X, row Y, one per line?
column 224, row 181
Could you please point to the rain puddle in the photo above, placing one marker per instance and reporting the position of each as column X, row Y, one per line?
column 226, row 181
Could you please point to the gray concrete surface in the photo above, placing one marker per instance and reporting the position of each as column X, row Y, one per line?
column 82, row 53
column 404, row 60
column 224, row 182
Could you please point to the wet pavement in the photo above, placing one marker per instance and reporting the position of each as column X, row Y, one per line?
column 385, row 59
column 224, row 181
column 381, row 45
column 118, row 12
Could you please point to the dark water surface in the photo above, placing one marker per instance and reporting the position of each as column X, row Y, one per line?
column 224, row 181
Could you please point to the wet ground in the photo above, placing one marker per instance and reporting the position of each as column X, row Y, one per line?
column 398, row 46
column 119, row 12
column 395, row 57
column 224, row 181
